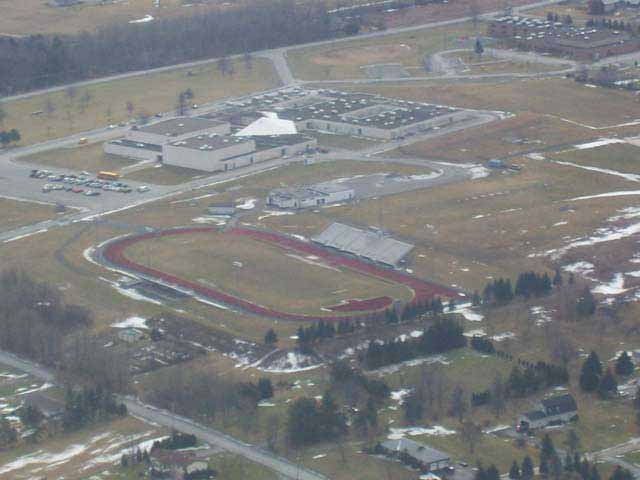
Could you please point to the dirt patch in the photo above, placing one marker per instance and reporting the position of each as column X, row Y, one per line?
column 369, row 304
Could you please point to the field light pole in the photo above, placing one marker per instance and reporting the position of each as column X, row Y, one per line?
column 237, row 266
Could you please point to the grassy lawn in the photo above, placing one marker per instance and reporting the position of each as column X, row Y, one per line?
column 344, row 60
column 562, row 98
column 17, row 213
column 165, row 175
column 467, row 231
column 84, row 157
column 524, row 132
column 621, row 157
column 240, row 266
column 149, row 94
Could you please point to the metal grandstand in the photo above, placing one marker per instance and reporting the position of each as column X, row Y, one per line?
column 372, row 245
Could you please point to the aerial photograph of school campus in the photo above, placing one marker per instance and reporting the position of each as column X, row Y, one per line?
column 320, row 239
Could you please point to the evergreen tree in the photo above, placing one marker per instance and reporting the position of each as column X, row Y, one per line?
column 265, row 388
column 624, row 365
column 590, row 373
column 270, row 338
column 527, row 470
column 557, row 278
column 8, row 434
column 608, row 385
column 548, row 456
column 492, row 473
column 621, row 474
column 413, row 408
column 586, row 304
column 514, row 472
column 475, row 299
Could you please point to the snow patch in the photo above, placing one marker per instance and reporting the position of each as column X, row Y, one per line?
column 465, row 309
column 436, row 431
column 292, row 362
column 131, row 322
column 614, row 287
column 214, row 219
column 147, row 18
column 247, row 204
column 599, row 143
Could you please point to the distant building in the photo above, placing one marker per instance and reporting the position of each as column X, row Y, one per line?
column 429, row 459
column 222, row 209
column 130, row 335
column 146, row 142
column 310, row 196
column 216, row 153
column 370, row 244
column 557, row 38
column 550, row 411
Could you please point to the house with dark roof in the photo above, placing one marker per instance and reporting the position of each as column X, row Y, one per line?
column 554, row 410
column 422, row 456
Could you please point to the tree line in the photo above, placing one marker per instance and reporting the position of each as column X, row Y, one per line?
column 35, row 319
column 39, row 61
column 444, row 335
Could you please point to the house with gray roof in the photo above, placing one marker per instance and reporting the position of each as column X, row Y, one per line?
column 554, row 410
column 426, row 458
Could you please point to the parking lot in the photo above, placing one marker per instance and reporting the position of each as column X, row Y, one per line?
column 84, row 183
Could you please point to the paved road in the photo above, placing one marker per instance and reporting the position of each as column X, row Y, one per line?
column 267, row 53
column 282, row 466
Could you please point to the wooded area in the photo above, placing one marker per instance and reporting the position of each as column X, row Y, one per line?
column 40, row 61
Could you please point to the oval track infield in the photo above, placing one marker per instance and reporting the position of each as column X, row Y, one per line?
column 113, row 254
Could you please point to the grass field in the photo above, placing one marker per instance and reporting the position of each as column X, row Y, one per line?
column 622, row 157
column 149, row 94
column 467, row 231
column 525, row 132
column 343, row 61
column 164, row 174
column 16, row 213
column 84, row 157
column 561, row 98
column 239, row 266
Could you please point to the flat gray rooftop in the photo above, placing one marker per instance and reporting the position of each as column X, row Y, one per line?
column 211, row 142
column 174, row 127
column 364, row 243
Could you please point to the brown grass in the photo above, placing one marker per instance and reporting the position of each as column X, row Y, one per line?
column 16, row 213
column 149, row 94
column 525, row 132
column 85, row 157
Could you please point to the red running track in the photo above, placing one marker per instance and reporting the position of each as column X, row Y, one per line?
column 367, row 305
column 114, row 253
